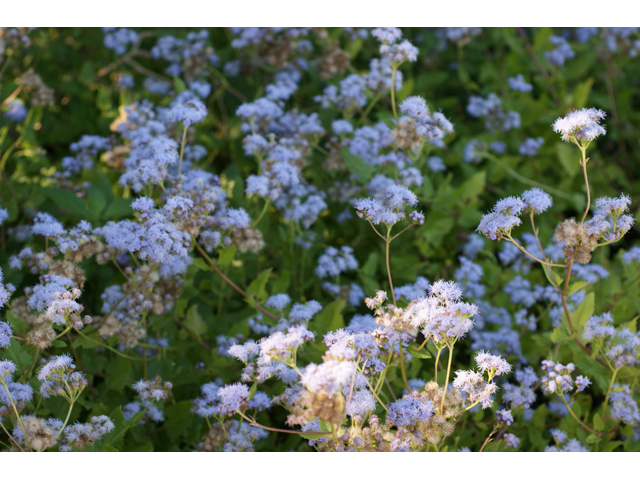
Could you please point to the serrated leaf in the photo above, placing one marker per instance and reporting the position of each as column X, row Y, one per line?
column 18, row 354
column 559, row 334
column 552, row 276
column 325, row 426
column 583, row 312
column 257, row 288
column 576, row 287
column 420, row 354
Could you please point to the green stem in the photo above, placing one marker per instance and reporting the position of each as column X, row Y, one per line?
column 182, row 143
column 524, row 250
column 264, row 209
column 371, row 105
column 437, row 359
column 110, row 348
column 446, row 382
column 606, row 399
column 63, row 332
column 71, row 404
column 525, row 180
column 128, row 292
column 402, row 369
column 583, row 162
column 575, row 416
column 393, row 296
column 393, row 89
column 10, row 437
column 15, row 410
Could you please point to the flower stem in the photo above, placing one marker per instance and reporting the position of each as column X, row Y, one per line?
column 446, row 382
column 15, row 410
column 606, row 399
column 66, row 420
column 575, row 416
column 402, row 369
column 393, row 296
column 182, row 143
column 393, row 89
column 583, row 162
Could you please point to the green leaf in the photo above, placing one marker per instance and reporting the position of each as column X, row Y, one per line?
column 200, row 264
column 472, row 188
column 611, row 446
column 576, row 287
column 354, row 47
column 581, row 93
column 559, row 334
column 67, row 200
column 331, row 317
column 405, row 91
column 193, row 321
column 357, row 166
column 120, row 207
column 226, row 255
column 257, row 288
column 179, row 419
column 145, row 447
column 552, row 276
column 420, row 353
column 325, row 426
column 119, row 374
column 569, row 158
column 253, row 390
column 181, row 306
column 598, row 424
column 96, row 201
column 593, row 438
column 59, row 344
column 582, row 313
column 179, row 84
column 112, row 440
column 18, row 354
column 435, row 230
column 370, row 266
column 85, row 343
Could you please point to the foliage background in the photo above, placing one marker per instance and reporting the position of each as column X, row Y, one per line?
column 453, row 201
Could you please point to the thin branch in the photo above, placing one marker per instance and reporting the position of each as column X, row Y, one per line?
column 231, row 284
